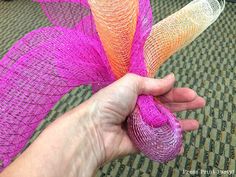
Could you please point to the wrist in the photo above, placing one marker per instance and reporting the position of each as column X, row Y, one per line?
column 88, row 152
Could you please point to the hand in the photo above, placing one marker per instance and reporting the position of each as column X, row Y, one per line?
column 93, row 133
column 113, row 104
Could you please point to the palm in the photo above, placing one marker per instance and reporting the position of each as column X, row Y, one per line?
column 117, row 101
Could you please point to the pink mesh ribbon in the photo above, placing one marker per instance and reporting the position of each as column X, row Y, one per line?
column 94, row 43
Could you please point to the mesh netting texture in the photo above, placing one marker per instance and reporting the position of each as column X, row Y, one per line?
column 96, row 42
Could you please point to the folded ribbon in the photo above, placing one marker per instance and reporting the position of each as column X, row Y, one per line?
column 96, row 42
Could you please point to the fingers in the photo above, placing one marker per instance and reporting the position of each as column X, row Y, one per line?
column 189, row 125
column 181, row 150
column 197, row 103
column 178, row 95
column 156, row 87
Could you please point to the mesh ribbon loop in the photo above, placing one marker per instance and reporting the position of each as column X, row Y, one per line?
column 95, row 42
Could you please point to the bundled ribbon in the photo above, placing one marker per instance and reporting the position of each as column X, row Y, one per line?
column 95, row 42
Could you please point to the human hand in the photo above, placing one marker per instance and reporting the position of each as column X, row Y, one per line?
column 113, row 104
column 93, row 133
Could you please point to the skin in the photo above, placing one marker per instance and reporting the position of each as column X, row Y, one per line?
column 85, row 138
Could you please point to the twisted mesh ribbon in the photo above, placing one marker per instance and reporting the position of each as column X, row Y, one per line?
column 95, row 42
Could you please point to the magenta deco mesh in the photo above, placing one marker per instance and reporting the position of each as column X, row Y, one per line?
column 79, row 50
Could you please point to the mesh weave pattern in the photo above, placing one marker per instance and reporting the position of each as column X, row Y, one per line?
column 47, row 63
column 183, row 27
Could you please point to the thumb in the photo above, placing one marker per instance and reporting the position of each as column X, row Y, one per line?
column 155, row 87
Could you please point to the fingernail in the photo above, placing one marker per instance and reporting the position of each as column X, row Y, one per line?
column 170, row 76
